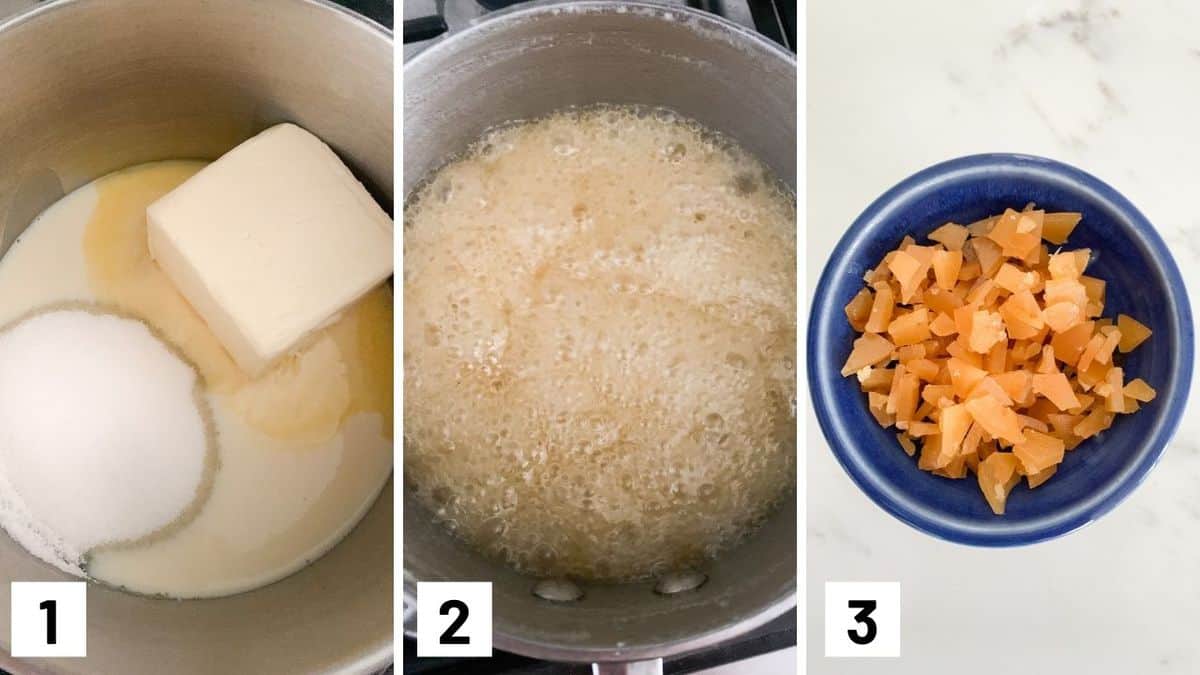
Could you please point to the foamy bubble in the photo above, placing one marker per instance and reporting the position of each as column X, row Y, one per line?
column 617, row 402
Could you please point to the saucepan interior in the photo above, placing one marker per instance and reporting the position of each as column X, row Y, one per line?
column 91, row 86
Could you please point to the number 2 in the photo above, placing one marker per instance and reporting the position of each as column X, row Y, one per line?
column 51, row 623
column 448, row 637
column 864, row 607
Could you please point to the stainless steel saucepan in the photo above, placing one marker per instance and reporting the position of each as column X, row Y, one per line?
column 91, row 86
column 520, row 64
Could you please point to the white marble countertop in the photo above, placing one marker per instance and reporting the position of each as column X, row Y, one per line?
column 1111, row 87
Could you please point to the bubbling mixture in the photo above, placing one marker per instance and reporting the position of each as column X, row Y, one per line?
column 599, row 332
column 302, row 450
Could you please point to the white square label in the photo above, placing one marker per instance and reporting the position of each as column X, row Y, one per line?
column 862, row 618
column 49, row 618
column 454, row 618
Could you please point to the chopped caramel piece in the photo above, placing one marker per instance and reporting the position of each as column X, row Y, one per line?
column 869, row 349
column 1022, row 315
column 1017, row 234
column 1116, row 390
column 910, row 328
column 909, row 271
column 987, row 328
column 1062, row 316
column 1093, row 375
column 942, row 326
column 957, row 468
column 1065, row 266
column 989, row 387
column 1111, row 339
column 1085, row 402
column 875, row 379
column 1018, row 384
column 930, row 453
column 1062, row 423
column 935, row 393
column 1034, row 423
column 1057, row 389
column 1133, row 333
column 997, row 357
column 988, row 255
column 997, row 476
column 1047, row 364
column 1098, row 420
column 1090, row 351
column 1012, row 279
column 1038, row 452
column 924, row 369
column 951, row 235
column 953, row 425
column 942, row 302
column 1036, row 479
column 1069, row 345
column 970, row 270
column 906, row 395
column 1094, row 288
column 918, row 429
column 1064, row 290
column 982, row 226
column 859, row 309
column 982, row 292
column 1138, row 390
column 997, row 419
column 1056, row 227
column 964, row 376
column 882, row 307
column 946, row 266
column 877, row 403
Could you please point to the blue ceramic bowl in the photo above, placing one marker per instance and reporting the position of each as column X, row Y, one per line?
column 1143, row 281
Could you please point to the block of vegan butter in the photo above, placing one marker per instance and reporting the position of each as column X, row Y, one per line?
column 271, row 242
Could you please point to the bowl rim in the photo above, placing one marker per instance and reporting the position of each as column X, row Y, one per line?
column 824, row 312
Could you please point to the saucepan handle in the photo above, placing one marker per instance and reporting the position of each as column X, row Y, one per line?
column 651, row 667
column 424, row 28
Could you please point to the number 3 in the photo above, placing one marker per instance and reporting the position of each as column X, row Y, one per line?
column 460, row 617
column 863, row 617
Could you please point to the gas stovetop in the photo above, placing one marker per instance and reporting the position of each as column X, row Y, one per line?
column 425, row 20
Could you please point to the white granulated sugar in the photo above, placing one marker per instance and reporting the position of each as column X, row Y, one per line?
column 101, row 438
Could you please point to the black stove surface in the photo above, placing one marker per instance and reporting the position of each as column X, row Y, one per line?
column 425, row 20
column 382, row 12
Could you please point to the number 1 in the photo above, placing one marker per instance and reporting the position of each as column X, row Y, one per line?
column 51, row 623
